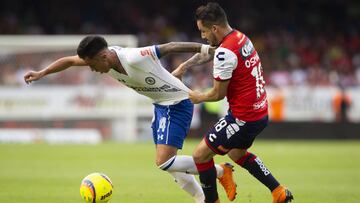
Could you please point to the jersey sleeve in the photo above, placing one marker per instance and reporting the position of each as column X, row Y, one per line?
column 134, row 55
column 225, row 61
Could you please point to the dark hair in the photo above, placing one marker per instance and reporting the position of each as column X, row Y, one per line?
column 90, row 46
column 211, row 14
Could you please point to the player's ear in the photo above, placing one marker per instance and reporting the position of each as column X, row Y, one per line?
column 214, row 28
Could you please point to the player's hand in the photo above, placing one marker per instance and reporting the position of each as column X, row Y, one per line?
column 195, row 96
column 32, row 76
column 179, row 71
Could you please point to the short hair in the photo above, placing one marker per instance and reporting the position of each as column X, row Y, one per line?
column 90, row 46
column 211, row 14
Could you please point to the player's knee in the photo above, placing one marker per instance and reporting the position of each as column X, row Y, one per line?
column 159, row 162
column 203, row 154
column 198, row 156
column 165, row 164
column 236, row 154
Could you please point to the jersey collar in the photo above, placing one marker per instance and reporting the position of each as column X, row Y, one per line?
column 226, row 36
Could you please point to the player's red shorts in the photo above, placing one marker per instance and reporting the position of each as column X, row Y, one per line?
column 229, row 133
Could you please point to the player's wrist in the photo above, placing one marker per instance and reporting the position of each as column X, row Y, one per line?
column 43, row 72
column 205, row 49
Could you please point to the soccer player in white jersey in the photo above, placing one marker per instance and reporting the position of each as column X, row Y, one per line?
column 141, row 70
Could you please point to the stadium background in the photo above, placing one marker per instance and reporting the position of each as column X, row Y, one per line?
column 310, row 52
column 309, row 49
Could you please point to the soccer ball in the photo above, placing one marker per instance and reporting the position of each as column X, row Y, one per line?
column 96, row 188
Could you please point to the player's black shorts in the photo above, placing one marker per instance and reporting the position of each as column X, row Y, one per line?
column 229, row 133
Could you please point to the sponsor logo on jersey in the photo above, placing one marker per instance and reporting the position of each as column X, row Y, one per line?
column 150, row 80
column 249, row 63
column 247, row 49
column 260, row 104
column 147, row 52
column 164, row 88
column 220, row 56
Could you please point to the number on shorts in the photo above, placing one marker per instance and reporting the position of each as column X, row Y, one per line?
column 219, row 125
column 162, row 124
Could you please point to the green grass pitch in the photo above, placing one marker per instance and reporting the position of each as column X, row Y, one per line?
column 315, row 171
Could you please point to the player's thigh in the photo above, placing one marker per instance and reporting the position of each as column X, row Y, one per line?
column 218, row 137
column 203, row 153
column 229, row 133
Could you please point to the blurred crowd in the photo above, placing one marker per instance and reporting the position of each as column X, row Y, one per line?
column 300, row 42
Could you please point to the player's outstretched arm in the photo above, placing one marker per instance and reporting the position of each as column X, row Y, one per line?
column 57, row 66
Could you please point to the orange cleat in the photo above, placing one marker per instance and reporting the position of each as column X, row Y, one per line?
column 227, row 181
column 282, row 195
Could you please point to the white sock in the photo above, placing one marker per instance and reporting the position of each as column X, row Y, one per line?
column 186, row 164
column 188, row 183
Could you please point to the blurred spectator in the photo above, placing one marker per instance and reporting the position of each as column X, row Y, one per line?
column 316, row 45
column 341, row 105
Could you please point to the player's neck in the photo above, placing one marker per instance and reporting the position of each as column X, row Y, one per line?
column 115, row 63
column 226, row 30
column 223, row 32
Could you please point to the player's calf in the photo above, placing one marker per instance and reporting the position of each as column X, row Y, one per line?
column 207, row 173
column 256, row 167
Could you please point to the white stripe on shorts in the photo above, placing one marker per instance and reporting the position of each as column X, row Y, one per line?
column 167, row 133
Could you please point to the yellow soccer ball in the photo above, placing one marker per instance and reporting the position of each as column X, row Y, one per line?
column 96, row 188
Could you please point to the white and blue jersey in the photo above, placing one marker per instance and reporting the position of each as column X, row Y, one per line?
column 145, row 74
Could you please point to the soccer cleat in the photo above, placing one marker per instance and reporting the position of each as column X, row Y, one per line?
column 282, row 195
column 227, row 181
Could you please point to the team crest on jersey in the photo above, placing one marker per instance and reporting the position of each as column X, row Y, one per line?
column 150, row 80
column 247, row 49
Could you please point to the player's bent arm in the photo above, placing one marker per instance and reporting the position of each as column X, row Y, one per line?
column 179, row 47
column 197, row 59
column 216, row 93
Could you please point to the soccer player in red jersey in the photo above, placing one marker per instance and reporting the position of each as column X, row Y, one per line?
column 238, row 75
